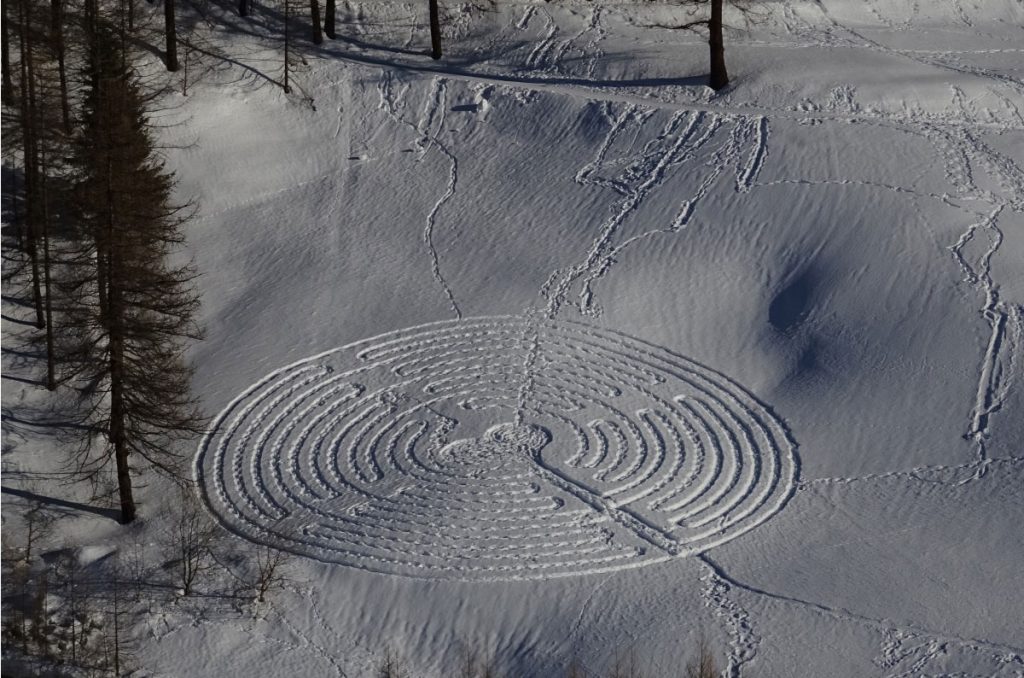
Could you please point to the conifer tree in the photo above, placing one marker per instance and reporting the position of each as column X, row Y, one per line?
column 35, row 120
column 128, row 316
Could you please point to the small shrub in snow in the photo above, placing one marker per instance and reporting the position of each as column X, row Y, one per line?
column 187, row 539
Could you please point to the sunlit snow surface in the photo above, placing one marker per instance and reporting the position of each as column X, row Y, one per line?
column 553, row 280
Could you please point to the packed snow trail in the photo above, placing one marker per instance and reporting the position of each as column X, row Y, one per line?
column 628, row 454
column 428, row 130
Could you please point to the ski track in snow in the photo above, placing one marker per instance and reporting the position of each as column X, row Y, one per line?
column 734, row 619
column 549, row 52
column 625, row 454
column 964, row 153
column 680, row 143
column 620, row 449
column 428, row 129
column 937, row 59
column 939, row 474
column 892, row 654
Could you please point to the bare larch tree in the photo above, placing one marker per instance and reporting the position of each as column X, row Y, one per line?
column 708, row 14
column 130, row 310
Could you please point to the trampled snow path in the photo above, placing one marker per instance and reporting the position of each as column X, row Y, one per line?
column 579, row 450
column 681, row 143
column 428, row 130
column 413, row 453
column 690, row 136
column 714, row 141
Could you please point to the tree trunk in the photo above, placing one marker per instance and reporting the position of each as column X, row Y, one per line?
column 51, row 372
column 8, row 84
column 117, row 630
column 57, row 35
column 172, row 36
column 124, row 478
column 329, row 20
column 29, row 120
column 101, row 283
column 435, row 30
column 19, row 228
column 91, row 10
column 243, row 7
column 287, row 44
column 115, row 313
column 314, row 15
column 719, row 76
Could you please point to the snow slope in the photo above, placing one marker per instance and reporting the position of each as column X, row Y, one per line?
column 607, row 361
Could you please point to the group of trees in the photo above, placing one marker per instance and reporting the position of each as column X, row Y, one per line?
column 58, row 613
column 94, row 218
column 82, row 614
column 704, row 15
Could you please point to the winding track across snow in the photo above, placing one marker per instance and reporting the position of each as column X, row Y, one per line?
column 412, row 453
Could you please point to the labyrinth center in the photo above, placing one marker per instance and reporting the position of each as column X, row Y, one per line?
column 495, row 448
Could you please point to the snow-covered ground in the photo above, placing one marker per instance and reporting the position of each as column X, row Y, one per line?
column 548, row 349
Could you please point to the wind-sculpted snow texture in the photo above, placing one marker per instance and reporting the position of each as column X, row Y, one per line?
column 839, row 231
column 496, row 448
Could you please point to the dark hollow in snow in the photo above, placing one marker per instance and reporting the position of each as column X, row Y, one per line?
column 790, row 307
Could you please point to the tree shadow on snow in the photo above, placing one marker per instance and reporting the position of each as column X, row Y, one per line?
column 55, row 503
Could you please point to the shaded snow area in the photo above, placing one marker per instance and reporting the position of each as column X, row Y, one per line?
column 548, row 349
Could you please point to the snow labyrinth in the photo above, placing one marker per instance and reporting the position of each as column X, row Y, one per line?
column 495, row 448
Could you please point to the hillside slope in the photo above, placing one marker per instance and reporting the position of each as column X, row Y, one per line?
column 637, row 362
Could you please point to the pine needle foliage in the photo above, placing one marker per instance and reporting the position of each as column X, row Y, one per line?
column 130, row 309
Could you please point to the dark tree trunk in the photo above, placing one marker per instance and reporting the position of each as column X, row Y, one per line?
column 435, row 30
column 103, row 244
column 314, row 16
column 287, row 44
column 123, row 32
column 172, row 36
column 8, row 84
column 243, row 7
column 57, row 35
column 28, row 122
column 19, row 227
column 719, row 76
column 117, row 435
column 329, row 20
column 101, row 283
column 184, row 74
column 91, row 10
column 51, row 370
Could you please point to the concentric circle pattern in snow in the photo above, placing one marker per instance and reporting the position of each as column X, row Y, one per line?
column 495, row 448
